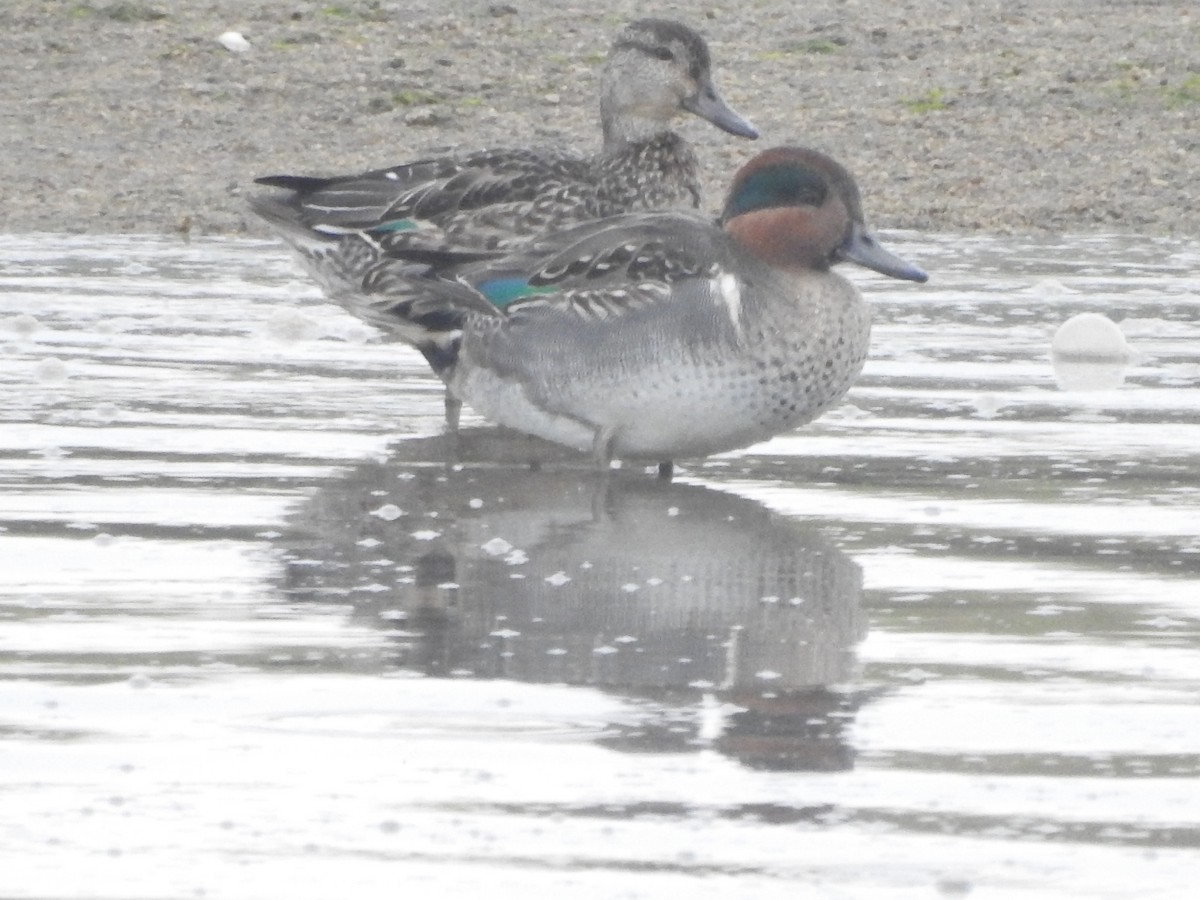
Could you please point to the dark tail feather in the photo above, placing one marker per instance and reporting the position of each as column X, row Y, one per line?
column 288, row 220
column 301, row 184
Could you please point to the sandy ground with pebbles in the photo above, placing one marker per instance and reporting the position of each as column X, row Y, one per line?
column 995, row 116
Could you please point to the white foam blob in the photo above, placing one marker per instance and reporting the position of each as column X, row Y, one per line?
column 233, row 41
column 1090, row 336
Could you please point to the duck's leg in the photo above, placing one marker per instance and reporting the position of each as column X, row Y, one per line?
column 453, row 406
column 602, row 499
column 453, row 411
column 602, row 448
column 666, row 470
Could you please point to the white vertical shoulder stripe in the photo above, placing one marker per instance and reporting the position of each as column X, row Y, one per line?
column 727, row 291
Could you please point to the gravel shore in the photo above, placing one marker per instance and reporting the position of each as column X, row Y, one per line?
column 997, row 116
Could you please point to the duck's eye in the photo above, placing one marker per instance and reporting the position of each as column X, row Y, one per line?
column 666, row 54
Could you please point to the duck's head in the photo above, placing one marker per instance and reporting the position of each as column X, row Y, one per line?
column 797, row 209
column 657, row 68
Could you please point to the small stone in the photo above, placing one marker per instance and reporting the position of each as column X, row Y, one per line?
column 234, row 42
column 422, row 118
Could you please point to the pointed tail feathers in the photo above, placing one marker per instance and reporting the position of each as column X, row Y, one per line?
column 403, row 297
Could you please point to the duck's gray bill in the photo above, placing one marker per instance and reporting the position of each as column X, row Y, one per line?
column 861, row 247
column 708, row 105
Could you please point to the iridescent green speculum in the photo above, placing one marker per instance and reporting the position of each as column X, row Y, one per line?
column 397, row 225
column 502, row 291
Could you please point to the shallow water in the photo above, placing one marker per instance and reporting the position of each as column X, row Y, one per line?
column 258, row 639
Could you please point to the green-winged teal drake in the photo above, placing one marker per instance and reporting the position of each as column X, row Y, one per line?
column 656, row 335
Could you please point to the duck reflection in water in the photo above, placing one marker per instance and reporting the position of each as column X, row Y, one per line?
column 732, row 627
